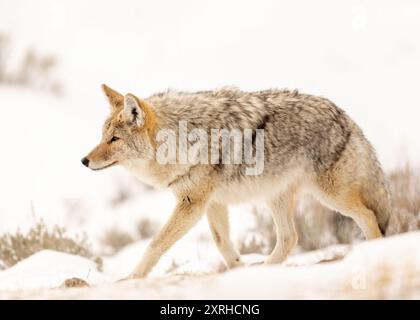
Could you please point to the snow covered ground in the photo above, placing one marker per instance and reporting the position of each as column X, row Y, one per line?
column 362, row 55
column 382, row 269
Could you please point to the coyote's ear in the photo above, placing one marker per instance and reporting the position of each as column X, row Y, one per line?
column 115, row 98
column 134, row 110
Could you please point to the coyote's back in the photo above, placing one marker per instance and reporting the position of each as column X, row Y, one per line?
column 307, row 139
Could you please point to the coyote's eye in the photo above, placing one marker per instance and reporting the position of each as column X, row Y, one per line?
column 114, row 138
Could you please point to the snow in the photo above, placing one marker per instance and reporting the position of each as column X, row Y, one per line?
column 361, row 55
column 48, row 269
column 387, row 268
column 188, row 257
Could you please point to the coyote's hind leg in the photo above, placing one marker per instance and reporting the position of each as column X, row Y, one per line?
column 350, row 203
column 282, row 209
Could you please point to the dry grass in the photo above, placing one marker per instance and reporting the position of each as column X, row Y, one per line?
column 4, row 46
column 17, row 246
column 405, row 189
column 126, row 189
column 147, row 228
column 34, row 70
column 262, row 237
column 114, row 240
column 319, row 226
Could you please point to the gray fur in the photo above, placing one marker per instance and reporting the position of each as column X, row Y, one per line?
column 300, row 130
column 310, row 145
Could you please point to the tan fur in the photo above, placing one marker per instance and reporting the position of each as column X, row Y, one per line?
column 151, row 121
column 282, row 209
column 217, row 216
column 310, row 145
column 115, row 98
column 192, row 198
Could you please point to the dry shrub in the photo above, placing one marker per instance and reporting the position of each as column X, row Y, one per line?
column 146, row 228
column 262, row 237
column 4, row 46
column 173, row 267
column 17, row 246
column 126, row 189
column 121, row 195
column 34, row 70
column 405, row 190
column 115, row 240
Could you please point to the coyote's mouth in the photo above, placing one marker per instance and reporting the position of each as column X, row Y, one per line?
column 107, row 166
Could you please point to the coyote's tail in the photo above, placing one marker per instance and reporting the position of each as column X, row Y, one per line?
column 377, row 197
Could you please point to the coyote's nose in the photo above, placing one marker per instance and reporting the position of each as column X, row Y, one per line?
column 85, row 161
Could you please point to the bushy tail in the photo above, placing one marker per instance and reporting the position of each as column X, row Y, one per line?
column 377, row 197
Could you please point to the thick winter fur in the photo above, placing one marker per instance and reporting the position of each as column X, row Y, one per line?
column 310, row 145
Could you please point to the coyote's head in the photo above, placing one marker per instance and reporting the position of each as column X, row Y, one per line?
column 127, row 134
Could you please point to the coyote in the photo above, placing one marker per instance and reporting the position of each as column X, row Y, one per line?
column 310, row 145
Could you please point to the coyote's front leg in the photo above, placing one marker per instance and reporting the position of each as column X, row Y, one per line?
column 191, row 202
